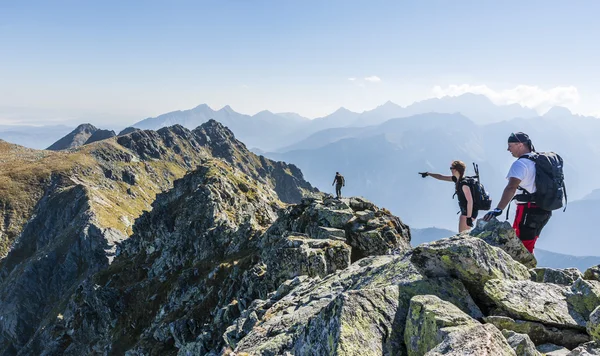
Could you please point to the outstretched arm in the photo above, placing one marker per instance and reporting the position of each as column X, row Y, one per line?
column 440, row 177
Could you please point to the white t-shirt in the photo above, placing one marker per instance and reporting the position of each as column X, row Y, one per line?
column 523, row 169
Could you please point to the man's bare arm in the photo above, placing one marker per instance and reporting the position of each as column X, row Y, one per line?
column 509, row 192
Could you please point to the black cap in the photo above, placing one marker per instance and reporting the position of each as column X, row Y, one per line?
column 519, row 137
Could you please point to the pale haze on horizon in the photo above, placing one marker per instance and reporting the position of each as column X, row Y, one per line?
column 115, row 63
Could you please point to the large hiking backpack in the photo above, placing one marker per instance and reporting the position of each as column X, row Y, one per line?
column 481, row 198
column 549, row 181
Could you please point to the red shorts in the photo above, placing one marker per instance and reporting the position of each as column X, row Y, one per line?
column 529, row 222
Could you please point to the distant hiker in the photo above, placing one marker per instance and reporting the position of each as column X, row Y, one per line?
column 471, row 194
column 539, row 177
column 339, row 182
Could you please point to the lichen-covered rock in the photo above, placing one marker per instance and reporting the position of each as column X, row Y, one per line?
column 593, row 324
column 592, row 273
column 469, row 259
column 429, row 321
column 368, row 230
column 297, row 255
column 502, row 235
column 584, row 296
column 480, row 340
column 587, row 349
column 360, row 322
column 553, row 350
column 521, row 343
column 527, row 300
column 540, row 333
column 564, row 277
column 334, row 218
column 360, row 204
column 316, row 303
column 329, row 233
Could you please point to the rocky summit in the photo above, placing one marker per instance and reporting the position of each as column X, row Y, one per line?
column 182, row 242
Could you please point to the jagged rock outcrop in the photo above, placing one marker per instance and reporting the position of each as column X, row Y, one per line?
column 502, row 235
column 81, row 208
column 188, row 230
column 75, row 138
column 100, row 135
column 127, row 130
column 180, row 242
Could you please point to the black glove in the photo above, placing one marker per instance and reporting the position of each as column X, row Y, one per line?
column 492, row 214
column 470, row 222
column 424, row 174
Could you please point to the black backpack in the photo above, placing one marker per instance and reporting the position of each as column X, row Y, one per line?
column 549, row 181
column 481, row 198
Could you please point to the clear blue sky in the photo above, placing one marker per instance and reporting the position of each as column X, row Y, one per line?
column 126, row 60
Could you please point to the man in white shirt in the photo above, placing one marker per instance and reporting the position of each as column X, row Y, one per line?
column 529, row 219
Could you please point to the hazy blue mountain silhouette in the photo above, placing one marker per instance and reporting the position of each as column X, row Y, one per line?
column 270, row 132
column 264, row 130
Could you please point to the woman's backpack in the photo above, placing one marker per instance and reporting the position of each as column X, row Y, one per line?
column 481, row 198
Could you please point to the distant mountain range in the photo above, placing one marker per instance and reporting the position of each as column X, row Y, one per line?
column 545, row 258
column 269, row 131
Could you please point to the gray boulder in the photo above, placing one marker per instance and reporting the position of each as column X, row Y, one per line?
column 540, row 333
column 429, row 321
column 521, row 343
column 297, row 255
column 469, row 259
column 593, row 325
column 502, row 235
column 480, row 340
column 592, row 273
column 564, row 277
column 527, row 300
column 584, row 296
column 356, row 322
column 553, row 350
column 587, row 349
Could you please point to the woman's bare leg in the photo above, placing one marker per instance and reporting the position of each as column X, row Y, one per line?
column 462, row 224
